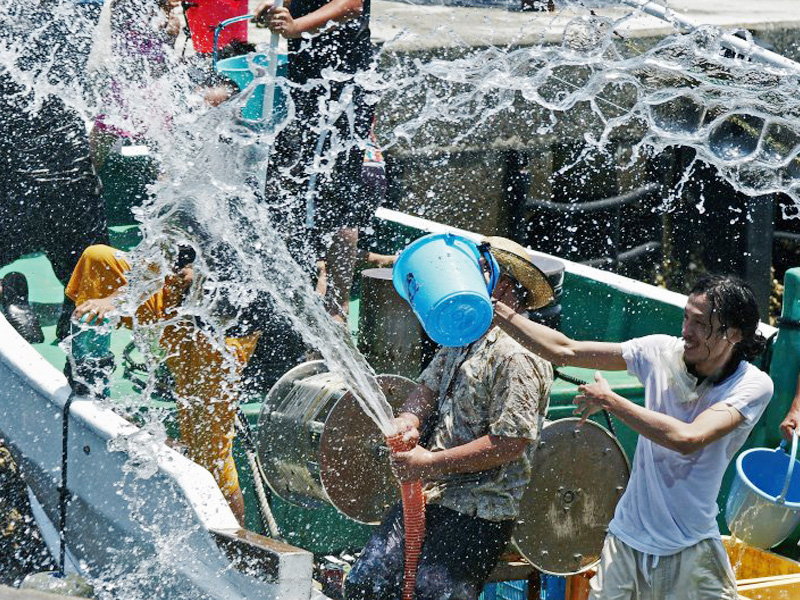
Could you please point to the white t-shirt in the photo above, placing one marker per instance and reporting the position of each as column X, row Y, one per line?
column 671, row 499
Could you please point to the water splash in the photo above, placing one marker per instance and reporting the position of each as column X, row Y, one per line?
column 738, row 116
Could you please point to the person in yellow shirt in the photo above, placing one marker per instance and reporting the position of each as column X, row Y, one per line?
column 203, row 372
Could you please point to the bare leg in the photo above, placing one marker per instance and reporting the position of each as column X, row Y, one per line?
column 380, row 260
column 236, row 502
column 340, row 263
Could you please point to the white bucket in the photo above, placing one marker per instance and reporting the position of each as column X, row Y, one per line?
column 763, row 506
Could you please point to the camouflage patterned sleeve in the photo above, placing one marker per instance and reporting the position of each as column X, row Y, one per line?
column 519, row 396
column 432, row 375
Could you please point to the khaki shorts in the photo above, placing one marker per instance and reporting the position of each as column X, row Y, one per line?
column 700, row 572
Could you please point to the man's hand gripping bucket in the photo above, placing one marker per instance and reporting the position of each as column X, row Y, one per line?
column 413, row 519
column 763, row 506
column 266, row 104
column 441, row 276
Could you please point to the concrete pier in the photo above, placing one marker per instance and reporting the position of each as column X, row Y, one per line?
column 9, row 593
column 430, row 26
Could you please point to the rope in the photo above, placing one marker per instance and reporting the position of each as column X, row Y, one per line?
column 787, row 323
column 63, row 491
column 257, row 470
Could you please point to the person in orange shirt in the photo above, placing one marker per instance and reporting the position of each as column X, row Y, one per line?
column 206, row 375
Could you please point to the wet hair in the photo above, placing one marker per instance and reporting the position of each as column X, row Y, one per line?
column 202, row 74
column 733, row 301
column 235, row 48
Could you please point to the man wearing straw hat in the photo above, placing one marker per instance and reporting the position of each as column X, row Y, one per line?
column 482, row 407
column 702, row 398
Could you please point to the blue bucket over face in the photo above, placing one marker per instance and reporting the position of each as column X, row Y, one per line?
column 441, row 277
column 243, row 69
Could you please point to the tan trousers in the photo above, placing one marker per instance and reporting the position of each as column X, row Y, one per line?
column 700, row 572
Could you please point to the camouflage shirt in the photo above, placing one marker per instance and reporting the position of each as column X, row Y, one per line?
column 499, row 389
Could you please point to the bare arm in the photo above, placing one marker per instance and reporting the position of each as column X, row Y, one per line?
column 792, row 419
column 96, row 309
column 556, row 347
column 710, row 425
column 280, row 20
column 484, row 453
column 417, row 408
column 175, row 286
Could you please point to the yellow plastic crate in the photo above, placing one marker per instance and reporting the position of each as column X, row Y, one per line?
column 762, row 575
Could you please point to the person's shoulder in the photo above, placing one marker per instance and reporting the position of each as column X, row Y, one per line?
column 755, row 380
column 508, row 348
column 657, row 342
column 660, row 340
column 502, row 343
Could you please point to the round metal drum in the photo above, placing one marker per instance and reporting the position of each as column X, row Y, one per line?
column 579, row 474
column 389, row 334
column 318, row 447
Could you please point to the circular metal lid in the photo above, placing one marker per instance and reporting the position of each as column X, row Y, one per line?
column 354, row 459
column 579, row 474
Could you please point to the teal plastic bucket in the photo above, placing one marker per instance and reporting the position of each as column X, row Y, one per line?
column 90, row 340
column 243, row 69
column 441, row 277
column 763, row 506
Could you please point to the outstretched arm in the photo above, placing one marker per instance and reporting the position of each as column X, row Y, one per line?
column 280, row 21
column 556, row 347
column 710, row 425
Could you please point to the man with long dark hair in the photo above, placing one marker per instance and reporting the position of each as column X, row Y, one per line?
column 702, row 398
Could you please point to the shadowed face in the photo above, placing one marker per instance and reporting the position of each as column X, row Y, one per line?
column 706, row 347
column 509, row 292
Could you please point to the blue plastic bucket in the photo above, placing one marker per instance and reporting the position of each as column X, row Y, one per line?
column 243, row 69
column 441, row 277
column 763, row 505
column 553, row 587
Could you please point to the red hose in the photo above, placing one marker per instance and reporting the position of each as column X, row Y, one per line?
column 413, row 521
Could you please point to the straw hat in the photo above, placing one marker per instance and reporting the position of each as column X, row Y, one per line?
column 515, row 261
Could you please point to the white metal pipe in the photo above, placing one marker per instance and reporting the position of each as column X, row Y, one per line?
column 731, row 42
column 272, row 72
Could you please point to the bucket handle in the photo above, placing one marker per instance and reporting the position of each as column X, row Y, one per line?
column 492, row 266
column 218, row 29
column 793, row 454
